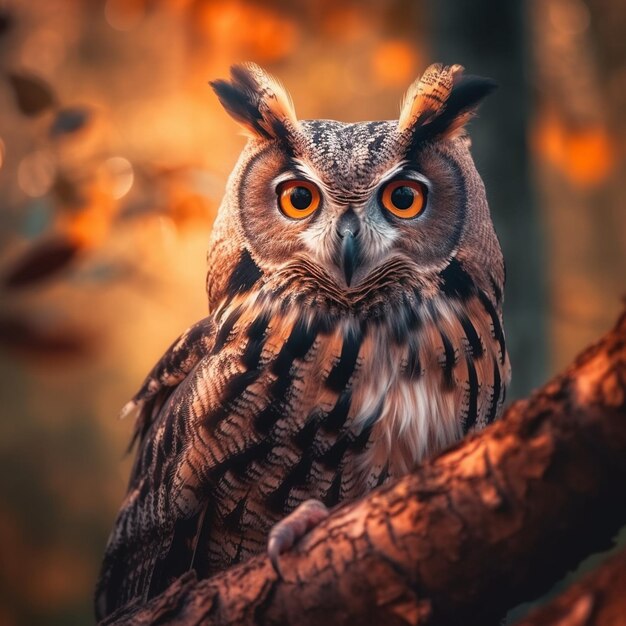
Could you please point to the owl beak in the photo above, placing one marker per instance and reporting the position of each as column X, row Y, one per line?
column 349, row 256
column 350, row 253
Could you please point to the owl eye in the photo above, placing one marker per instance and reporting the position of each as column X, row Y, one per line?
column 298, row 198
column 404, row 198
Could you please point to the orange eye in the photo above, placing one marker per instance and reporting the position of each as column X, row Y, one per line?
column 404, row 198
column 298, row 198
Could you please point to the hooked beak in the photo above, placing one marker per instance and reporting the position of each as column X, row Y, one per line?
column 349, row 256
column 350, row 253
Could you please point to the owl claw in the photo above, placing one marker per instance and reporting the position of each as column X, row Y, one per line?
column 286, row 533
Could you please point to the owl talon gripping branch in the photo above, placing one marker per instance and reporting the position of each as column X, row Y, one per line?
column 355, row 293
column 286, row 533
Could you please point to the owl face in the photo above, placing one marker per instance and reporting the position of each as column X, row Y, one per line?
column 344, row 200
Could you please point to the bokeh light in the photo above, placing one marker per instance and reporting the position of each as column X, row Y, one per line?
column 124, row 15
column 35, row 173
column 120, row 172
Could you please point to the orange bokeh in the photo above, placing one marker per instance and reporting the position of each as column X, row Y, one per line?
column 586, row 155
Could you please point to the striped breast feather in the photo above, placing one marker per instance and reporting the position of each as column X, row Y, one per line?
column 441, row 376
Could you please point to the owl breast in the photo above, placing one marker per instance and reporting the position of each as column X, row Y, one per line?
column 325, row 403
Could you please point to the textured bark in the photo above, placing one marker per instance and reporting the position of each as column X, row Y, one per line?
column 599, row 599
column 489, row 523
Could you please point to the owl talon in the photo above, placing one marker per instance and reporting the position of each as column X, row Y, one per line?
column 286, row 533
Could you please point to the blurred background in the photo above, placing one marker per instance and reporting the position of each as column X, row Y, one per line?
column 113, row 158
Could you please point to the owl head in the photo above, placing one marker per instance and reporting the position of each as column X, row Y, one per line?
column 344, row 207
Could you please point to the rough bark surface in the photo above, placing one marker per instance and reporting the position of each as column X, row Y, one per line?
column 490, row 523
column 599, row 599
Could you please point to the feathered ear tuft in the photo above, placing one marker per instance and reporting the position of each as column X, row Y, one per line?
column 442, row 101
column 257, row 101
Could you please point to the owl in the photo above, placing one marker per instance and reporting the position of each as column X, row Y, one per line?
column 355, row 289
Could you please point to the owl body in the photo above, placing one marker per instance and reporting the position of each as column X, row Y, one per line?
column 341, row 348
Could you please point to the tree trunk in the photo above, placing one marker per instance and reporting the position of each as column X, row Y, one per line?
column 489, row 523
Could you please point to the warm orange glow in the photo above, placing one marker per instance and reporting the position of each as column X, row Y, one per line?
column 344, row 23
column 124, row 14
column 394, row 63
column 43, row 50
column 585, row 155
column 90, row 226
column 260, row 33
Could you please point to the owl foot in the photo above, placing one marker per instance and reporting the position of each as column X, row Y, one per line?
column 289, row 530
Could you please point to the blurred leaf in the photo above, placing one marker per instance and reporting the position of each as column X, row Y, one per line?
column 104, row 272
column 42, row 261
column 32, row 93
column 69, row 121
column 23, row 335
column 6, row 22
column 67, row 191
column 37, row 217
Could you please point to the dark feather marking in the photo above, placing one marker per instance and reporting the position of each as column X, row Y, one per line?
column 495, row 321
column 332, row 457
column 456, row 282
column 234, row 388
column 299, row 342
column 472, row 402
column 245, row 275
column 256, row 340
column 178, row 557
column 475, row 343
column 160, row 458
column 296, row 476
column 239, row 462
column 382, row 477
column 449, row 360
column 232, row 520
column 359, row 443
column 414, row 320
column 337, row 416
column 169, row 440
column 332, row 496
column 497, row 292
column 404, row 320
column 264, row 420
column 226, row 329
column 275, row 409
column 343, row 369
column 413, row 368
column 495, row 397
column 305, row 437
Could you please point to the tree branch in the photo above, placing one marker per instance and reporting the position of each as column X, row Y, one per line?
column 596, row 600
column 489, row 523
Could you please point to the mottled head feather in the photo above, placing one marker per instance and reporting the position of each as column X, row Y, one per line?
column 257, row 101
column 441, row 101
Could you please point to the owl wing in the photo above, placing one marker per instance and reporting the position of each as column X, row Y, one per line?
column 142, row 529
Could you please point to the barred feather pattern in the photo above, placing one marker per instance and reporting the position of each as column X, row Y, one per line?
column 300, row 392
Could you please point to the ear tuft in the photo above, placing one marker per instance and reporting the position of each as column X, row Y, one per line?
column 442, row 101
column 257, row 101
